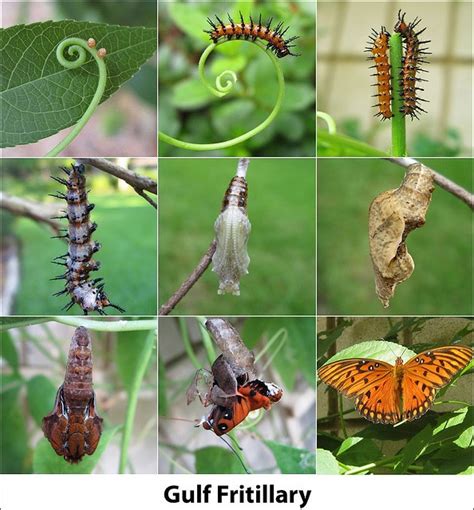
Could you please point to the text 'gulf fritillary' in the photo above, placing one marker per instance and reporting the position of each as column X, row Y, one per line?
column 414, row 51
column 388, row 393
column 252, row 31
column 88, row 294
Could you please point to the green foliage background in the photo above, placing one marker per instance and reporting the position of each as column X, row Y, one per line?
column 437, row 443
column 291, row 358
column 126, row 230
column 442, row 249
column 26, row 397
column 281, row 245
column 189, row 112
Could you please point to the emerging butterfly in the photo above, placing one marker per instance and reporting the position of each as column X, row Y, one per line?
column 388, row 393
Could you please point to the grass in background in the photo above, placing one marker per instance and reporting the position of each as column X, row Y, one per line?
column 281, row 208
column 127, row 232
column 442, row 250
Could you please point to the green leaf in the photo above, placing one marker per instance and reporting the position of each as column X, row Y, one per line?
column 190, row 94
column 128, row 354
column 374, row 349
column 41, row 393
column 358, row 451
column 13, row 436
column 39, row 97
column 216, row 460
column 326, row 463
column 298, row 97
column 292, row 460
column 8, row 351
column 46, row 460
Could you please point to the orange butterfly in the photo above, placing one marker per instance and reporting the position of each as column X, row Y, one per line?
column 388, row 393
column 251, row 396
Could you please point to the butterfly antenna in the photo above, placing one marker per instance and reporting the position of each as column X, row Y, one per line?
column 236, row 454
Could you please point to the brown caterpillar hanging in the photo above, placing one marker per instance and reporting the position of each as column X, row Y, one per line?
column 253, row 31
column 379, row 48
column 88, row 294
column 411, row 65
column 412, row 60
column 73, row 427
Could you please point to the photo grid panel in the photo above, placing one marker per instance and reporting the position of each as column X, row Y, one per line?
column 236, row 239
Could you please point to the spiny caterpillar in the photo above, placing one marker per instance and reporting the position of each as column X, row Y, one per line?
column 252, row 31
column 411, row 62
column 88, row 294
column 232, row 227
column 411, row 65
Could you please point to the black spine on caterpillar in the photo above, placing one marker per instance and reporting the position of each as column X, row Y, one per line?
column 414, row 53
column 252, row 31
column 88, row 294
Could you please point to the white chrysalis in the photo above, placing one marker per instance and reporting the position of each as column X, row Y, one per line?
column 232, row 227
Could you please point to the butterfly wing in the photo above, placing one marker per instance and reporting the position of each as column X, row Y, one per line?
column 428, row 371
column 371, row 382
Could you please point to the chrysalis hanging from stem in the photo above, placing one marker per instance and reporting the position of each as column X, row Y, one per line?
column 73, row 427
column 232, row 227
column 392, row 216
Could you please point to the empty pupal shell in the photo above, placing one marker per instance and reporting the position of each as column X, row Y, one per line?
column 392, row 216
column 232, row 227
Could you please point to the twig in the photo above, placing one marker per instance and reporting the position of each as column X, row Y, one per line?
column 36, row 211
column 190, row 280
column 138, row 182
column 441, row 181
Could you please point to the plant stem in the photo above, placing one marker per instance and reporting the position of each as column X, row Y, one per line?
column 100, row 325
column 206, row 340
column 372, row 465
column 341, row 417
column 398, row 119
column 221, row 90
column 187, row 343
column 142, row 364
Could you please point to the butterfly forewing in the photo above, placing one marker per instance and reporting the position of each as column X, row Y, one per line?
column 427, row 372
column 352, row 377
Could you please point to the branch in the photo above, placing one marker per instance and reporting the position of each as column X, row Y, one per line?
column 36, row 211
column 441, row 181
column 190, row 280
column 138, row 182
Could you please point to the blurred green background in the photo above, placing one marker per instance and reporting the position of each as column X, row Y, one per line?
column 280, row 440
column 442, row 249
column 126, row 231
column 281, row 208
column 189, row 112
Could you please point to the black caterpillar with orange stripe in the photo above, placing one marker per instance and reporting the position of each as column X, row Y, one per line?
column 253, row 31
column 88, row 294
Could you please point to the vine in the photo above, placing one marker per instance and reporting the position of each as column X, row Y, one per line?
column 224, row 83
column 79, row 48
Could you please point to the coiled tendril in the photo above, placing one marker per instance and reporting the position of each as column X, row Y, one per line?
column 79, row 48
column 224, row 83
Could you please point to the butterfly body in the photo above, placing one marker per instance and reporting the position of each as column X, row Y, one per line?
column 388, row 393
column 252, row 396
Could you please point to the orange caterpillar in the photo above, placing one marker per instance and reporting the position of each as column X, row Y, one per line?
column 252, row 31
column 413, row 57
column 379, row 49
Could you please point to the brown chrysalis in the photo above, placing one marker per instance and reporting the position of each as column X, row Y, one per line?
column 73, row 427
column 392, row 216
